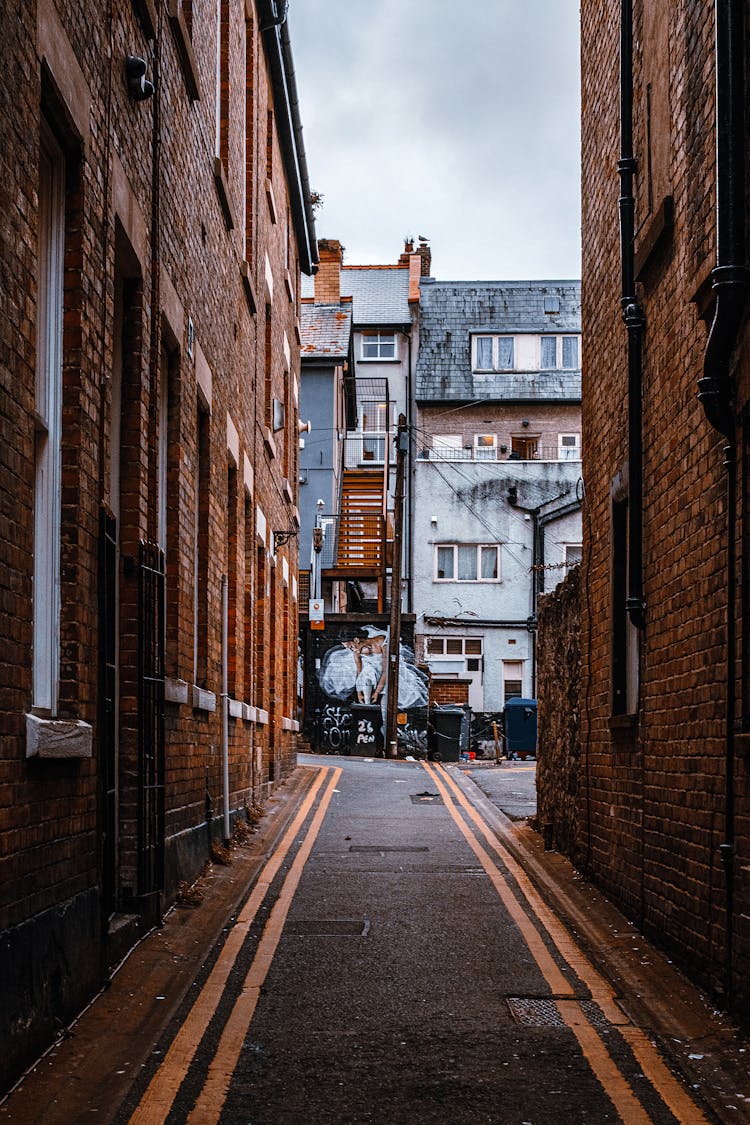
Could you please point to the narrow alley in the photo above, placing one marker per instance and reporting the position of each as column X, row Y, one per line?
column 440, row 983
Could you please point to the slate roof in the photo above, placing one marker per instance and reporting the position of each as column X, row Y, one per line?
column 450, row 311
column 380, row 294
column 325, row 331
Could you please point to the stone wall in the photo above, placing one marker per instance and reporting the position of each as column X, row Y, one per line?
column 558, row 734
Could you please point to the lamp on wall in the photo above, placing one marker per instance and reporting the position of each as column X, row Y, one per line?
column 283, row 536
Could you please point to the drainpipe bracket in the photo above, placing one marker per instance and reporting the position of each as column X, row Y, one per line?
column 633, row 315
column 636, row 610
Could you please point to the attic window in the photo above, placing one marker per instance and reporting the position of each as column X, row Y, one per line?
column 551, row 304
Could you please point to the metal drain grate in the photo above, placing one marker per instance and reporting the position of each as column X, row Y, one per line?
column 595, row 1015
column 377, row 849
column 329, row 927
column 531, row 1011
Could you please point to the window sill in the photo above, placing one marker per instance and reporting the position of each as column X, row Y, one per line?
column 184, row 49
column 58, row 739
column 222, row 190
column 203, row 700
column 248, row 287
column 272, row 208
column 269, row 443
column 377, row 359
column 623, row 722
column 176, row 691
column 147, row 17
column 236, row 709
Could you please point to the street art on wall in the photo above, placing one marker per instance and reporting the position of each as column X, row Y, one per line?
column 346, row 690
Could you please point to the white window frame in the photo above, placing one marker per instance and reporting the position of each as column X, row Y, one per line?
column 48, row 417
column 485, row 447
column 577, row 364
column 479, row 547
column 567, row 450
column 513, row 672
column 556, row 364
column 375, row 436
column 495, row 337
column 380, row 340
column 569, row 549
column 441, row 655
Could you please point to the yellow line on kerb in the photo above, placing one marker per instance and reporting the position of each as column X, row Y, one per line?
column 674, row 1096
column 214, row 1093
column 157, row 1100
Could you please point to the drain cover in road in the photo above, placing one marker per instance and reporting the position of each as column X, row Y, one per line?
column 532, row 1011
column 426, row 799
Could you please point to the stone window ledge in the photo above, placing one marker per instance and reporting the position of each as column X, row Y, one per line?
column 58, row 738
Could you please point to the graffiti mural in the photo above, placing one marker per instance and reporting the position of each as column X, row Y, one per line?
column 346, row 688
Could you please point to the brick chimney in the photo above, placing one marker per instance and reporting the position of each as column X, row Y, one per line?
column 408, row 250
column 328, row 277
column 423, row 249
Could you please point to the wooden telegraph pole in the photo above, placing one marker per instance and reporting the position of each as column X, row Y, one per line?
column 394, row 639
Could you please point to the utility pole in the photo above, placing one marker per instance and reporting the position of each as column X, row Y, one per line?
column 394, row 639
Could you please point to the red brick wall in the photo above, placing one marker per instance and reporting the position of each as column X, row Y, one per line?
column 656, row 790
column 173, row 237
column 448, row 691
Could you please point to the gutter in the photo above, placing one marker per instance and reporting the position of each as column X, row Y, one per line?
column 278, row 48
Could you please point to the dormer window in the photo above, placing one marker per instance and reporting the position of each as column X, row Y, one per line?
column 493, row 353
column 379, row 345
column 558, row 351
column 570, row 353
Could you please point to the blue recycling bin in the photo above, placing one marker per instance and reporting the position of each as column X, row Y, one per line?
column 520, row 728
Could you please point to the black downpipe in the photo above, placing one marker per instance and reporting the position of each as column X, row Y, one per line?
column 730, row 280
column 635, row 322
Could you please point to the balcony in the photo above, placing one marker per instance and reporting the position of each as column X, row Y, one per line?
column 542, row 452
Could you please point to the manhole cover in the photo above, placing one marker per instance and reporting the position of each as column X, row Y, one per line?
column 426, row 799
column 329, row 927
column 376, row 849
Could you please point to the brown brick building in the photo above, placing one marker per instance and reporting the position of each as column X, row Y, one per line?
column 154, row 226
column 664, row 807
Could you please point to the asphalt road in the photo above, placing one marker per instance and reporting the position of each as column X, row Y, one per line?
column 395, row 965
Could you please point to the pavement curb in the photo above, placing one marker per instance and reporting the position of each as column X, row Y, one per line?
column 94, row 1064
column 699, row 1042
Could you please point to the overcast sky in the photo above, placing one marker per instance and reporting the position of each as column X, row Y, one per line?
column 456, row 121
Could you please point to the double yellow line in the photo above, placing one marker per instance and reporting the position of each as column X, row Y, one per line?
column 161, row 1092
column 616, row 1086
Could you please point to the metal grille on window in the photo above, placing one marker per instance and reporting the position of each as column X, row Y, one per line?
column 151, row 719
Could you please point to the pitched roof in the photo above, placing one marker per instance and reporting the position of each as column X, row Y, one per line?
column 380, row 294
column 450, row 311
column 325, row 331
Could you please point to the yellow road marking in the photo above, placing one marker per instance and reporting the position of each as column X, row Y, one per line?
column 162, row 1090
column 675, row 1097
column 214, row 1093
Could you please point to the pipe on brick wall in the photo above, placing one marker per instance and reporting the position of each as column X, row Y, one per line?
column 730, row 281
column 635, row 322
